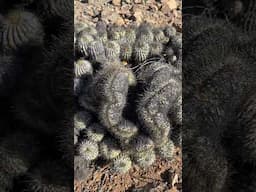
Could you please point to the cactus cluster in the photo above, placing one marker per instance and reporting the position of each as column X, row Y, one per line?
column 36, row 50
column 219, row 105
column 128, row 94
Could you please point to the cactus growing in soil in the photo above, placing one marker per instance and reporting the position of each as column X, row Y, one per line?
column 143, row 152
column 89, row 150
column 131, row 62
column 109, row 149
column 95, row 132
column 81, row 168
column 122, row 164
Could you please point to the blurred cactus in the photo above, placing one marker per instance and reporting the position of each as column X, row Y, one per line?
column 20, row 28
column 36, row 81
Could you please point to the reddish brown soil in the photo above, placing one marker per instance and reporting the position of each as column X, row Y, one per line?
column 158, row 13
column 163, row 176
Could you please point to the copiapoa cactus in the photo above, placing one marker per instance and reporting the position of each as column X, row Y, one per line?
column 131, row 67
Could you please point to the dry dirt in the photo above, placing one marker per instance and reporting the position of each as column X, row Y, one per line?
column 162, row 176
column 156, row 12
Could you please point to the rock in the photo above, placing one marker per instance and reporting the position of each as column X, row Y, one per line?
column 127, row 1
column 111, row 16
column 106, row 13
column 125, row 9
column 138, row 15
column 169, row 5
column 138, row 1
column 98, row 2
column 175, row 180
column 119, row 21
column 153, row 7
column 116, row 2
column 88, row 10
column 95, row 20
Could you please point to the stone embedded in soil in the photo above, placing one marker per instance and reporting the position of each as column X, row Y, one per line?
column 89, row 10
column 116, row 2
column 111, row 16
column 138, row 1
column 138, row 14
column 98, row 2
column 153, row 176
column 119, row 21
column 169, row 4
column 153, row 7
column 154, row 12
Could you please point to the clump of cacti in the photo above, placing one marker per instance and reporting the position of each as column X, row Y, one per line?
column 128, row 83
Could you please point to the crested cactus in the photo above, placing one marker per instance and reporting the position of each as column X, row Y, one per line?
column 137, row 62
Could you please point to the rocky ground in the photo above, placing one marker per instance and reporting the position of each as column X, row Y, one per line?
column 163, row 176
column 125, row 12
